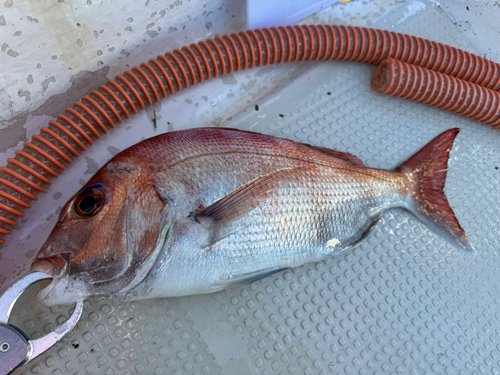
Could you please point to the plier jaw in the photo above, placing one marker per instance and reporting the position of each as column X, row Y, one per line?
column 16, row 348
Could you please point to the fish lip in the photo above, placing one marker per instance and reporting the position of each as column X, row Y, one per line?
column 52, row 266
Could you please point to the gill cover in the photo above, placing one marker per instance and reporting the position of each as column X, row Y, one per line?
column 107, row 236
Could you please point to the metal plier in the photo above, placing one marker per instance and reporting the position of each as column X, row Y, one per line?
column 16, row 348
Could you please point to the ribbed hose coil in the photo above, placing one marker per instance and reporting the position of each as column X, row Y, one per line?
column 46, row 154
column 421, row 85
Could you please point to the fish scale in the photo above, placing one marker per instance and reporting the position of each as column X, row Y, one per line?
column 271, row 242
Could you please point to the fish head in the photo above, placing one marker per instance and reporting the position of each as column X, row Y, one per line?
column 107, row 236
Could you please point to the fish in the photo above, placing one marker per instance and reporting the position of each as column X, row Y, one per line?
column 201, row 210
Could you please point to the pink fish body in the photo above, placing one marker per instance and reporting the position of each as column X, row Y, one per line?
column 201, row 210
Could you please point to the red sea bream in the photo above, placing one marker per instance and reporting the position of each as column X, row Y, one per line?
column 201, row 210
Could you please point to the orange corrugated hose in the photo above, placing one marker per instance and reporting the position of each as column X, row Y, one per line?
column 46, row 155
column 438, row 90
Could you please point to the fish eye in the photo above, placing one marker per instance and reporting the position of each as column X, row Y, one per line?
column 89, row 203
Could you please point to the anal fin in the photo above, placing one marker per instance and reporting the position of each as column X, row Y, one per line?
column 363, row 236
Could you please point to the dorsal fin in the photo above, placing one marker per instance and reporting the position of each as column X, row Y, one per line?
column 348, row 158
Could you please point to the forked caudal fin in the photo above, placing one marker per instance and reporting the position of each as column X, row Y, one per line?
column 426, row 171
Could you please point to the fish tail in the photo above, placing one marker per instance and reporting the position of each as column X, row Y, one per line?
column 426, row 172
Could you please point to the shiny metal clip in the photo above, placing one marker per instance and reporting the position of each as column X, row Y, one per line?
column 15, row 347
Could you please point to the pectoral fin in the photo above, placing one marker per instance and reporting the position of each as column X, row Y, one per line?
column 233, row 207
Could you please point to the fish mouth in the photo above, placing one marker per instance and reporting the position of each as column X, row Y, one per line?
column 52, row 266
